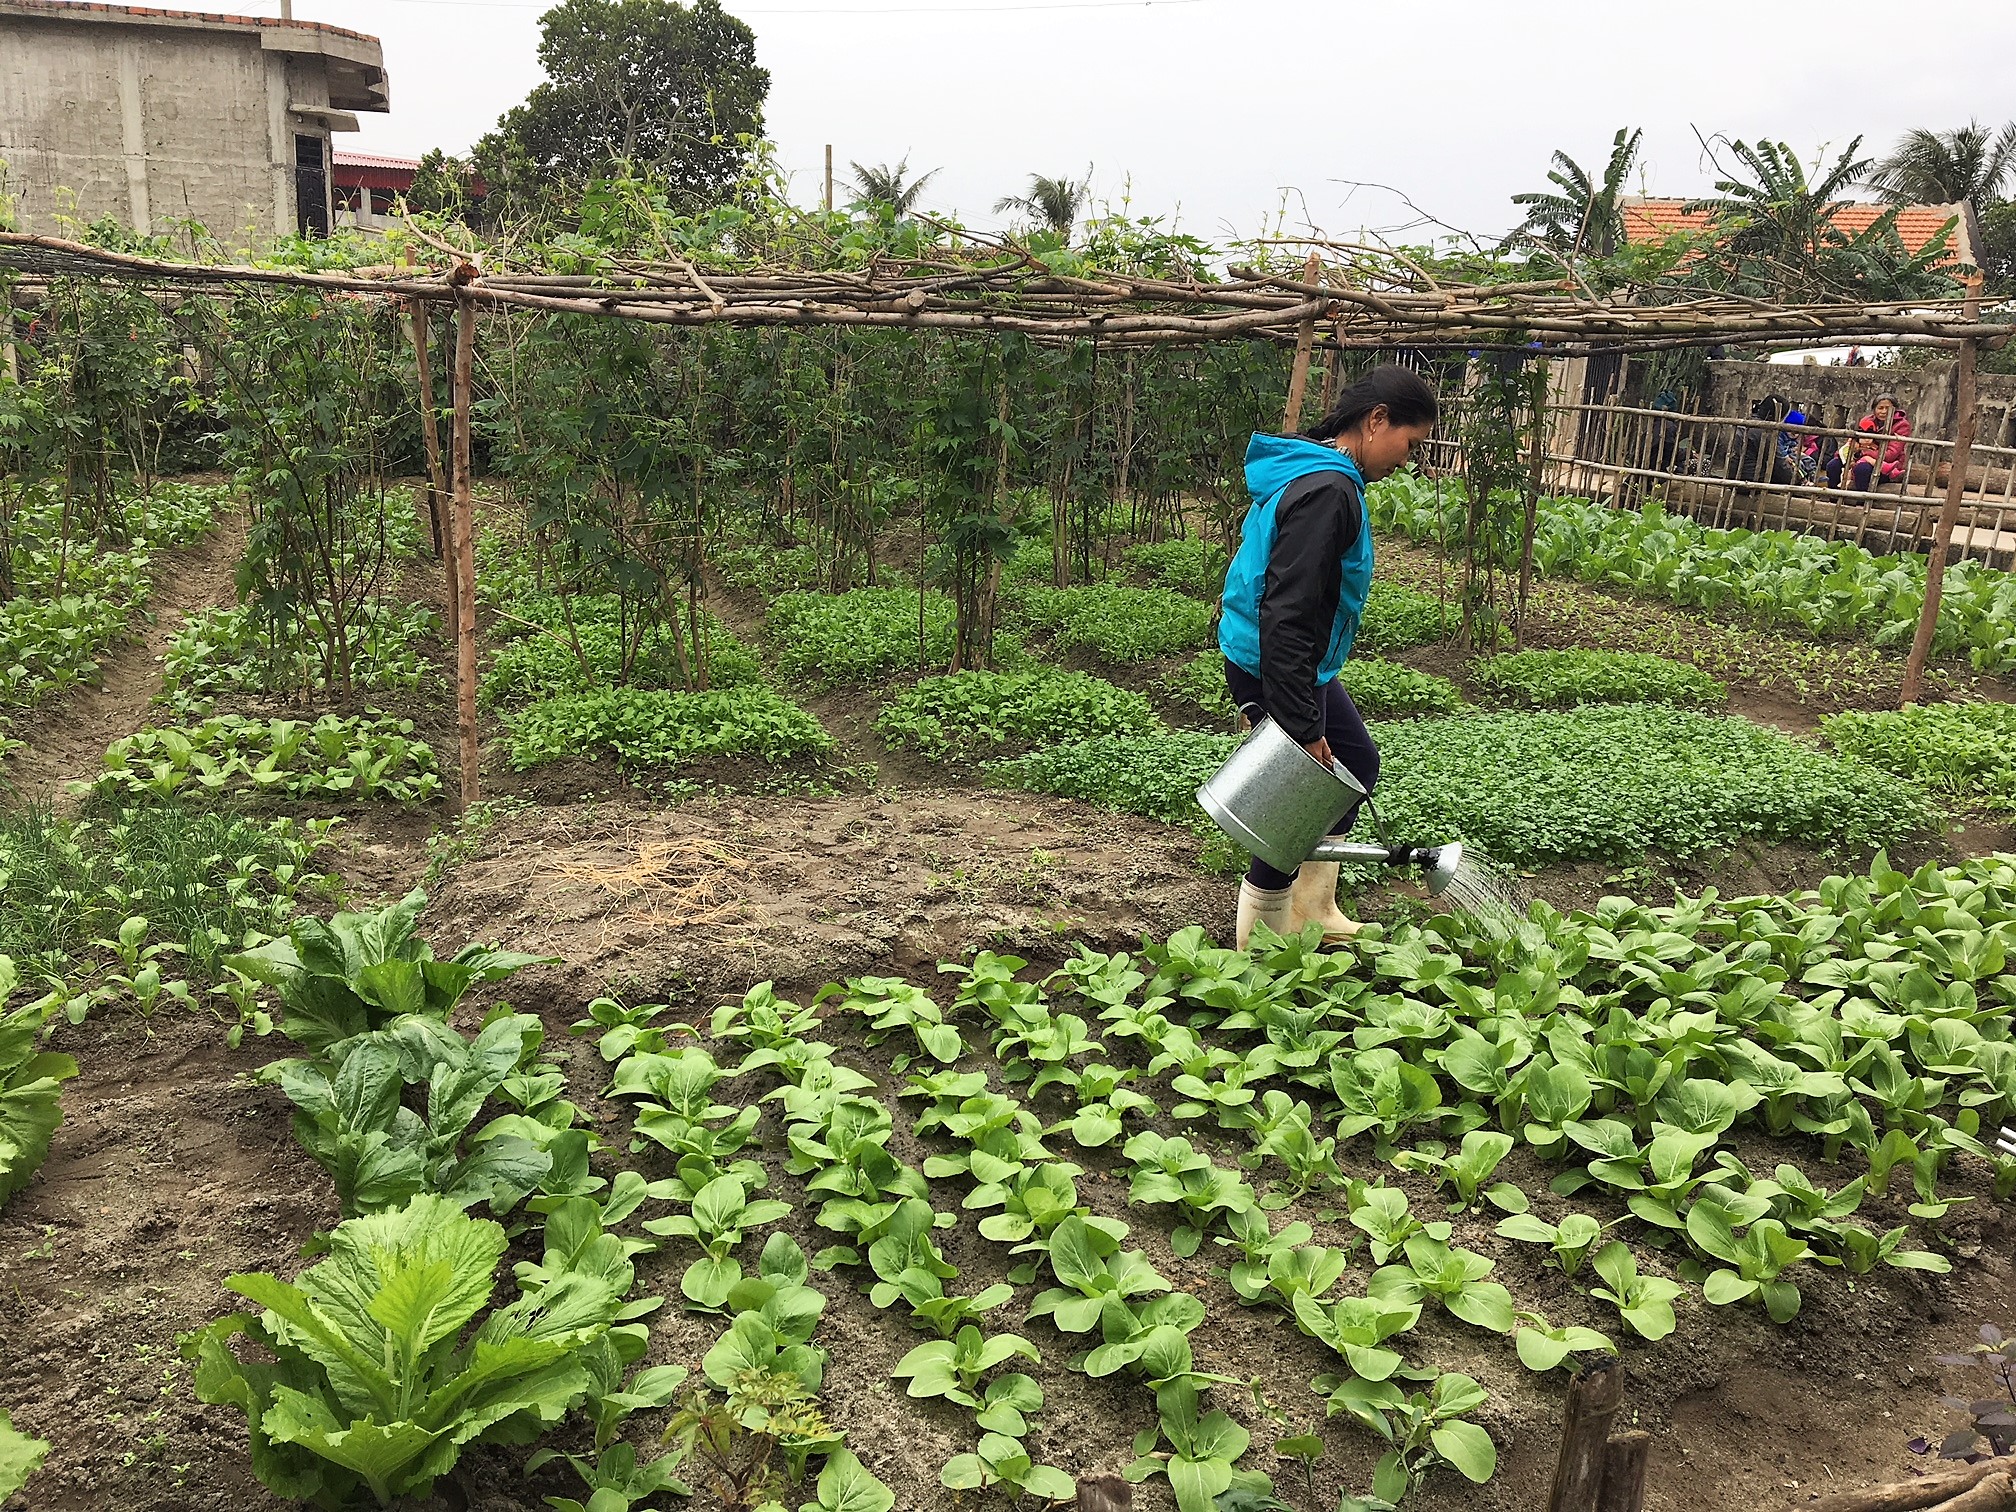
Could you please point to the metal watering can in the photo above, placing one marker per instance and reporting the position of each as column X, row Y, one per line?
column 1278, row 802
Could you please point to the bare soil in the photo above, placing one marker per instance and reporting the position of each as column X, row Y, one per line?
column 70, row 735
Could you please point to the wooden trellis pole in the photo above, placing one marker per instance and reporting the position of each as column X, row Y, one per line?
column 1980, row 1487
column 462, row 552
column 1305, row 343
column 1967, row 416
column 1593, row 1400
column 430, row 435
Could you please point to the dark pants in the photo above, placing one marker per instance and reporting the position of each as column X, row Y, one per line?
column 1350, row 742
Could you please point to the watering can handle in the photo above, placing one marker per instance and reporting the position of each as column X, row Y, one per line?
column 1254, row 713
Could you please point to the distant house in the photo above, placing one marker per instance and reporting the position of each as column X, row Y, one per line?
column 155, row 116
column 366, row 186
column 1653, row 220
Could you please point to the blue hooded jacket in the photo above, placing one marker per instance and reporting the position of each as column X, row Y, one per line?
column 1272, row 463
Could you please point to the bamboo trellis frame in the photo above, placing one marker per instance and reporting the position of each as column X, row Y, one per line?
column 1362, row 298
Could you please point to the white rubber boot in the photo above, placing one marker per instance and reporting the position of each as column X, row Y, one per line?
column 1257, row 905
column 1313, row 900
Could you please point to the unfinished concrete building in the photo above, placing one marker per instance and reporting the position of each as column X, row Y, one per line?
column 154, row 117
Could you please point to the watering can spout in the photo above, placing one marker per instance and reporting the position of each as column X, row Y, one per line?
column 1438, row 863
column 1441, row 863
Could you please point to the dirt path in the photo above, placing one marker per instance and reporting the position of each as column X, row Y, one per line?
column 67, row 738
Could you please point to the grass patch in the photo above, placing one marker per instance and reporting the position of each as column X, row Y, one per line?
column 1384, row 689
column 1967, row 750
column 236, row 652
column 1380, row 689
column 1155, row 776
column 1397, row 617
column 971, row 712
column 202, row 877
column 1569, row 679
column 1118, row 624
column 1199, row 684
column 532, row 666
column 867, row 635
column 1196, row 567
column 1602, row 783
column 648, row 727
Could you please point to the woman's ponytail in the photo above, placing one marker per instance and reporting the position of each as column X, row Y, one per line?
column 1405, row 394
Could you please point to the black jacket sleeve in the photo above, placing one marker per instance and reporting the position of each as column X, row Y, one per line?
column 1316, row 522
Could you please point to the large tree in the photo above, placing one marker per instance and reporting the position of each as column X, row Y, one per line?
column 1971, row 162
column 1580, row 215
column 648, row 87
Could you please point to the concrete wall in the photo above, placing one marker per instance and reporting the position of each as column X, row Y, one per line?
column 150, row 125
column 1844, row 394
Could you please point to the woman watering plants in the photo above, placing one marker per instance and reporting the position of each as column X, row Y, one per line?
column 1293, row 595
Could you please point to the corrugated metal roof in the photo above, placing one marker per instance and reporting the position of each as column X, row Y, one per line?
column 371, row 160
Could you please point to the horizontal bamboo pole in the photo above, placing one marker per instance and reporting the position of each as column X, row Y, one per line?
column 1910, row 1496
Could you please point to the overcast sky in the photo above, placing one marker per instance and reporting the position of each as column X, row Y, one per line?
column 1215, row 110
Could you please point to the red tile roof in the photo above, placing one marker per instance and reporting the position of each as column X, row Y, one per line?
column 55, row 8
column 1649, row 220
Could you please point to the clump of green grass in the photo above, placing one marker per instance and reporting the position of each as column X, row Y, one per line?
column 1118, row 624
column 1600, row 783
column 1200, row 684
column 1155, row 776
column 970, row 712
column 1967, row 750
column 868, row 635
column 1380, row 689
column 202, row 877
column 235, row 652
column 532, row 665
column 649, row 727
column 1397, row 617
column 1384, row 689
column 1568, row 679
column 1191, row 566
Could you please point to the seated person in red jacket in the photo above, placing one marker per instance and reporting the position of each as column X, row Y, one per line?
column 1880, row 460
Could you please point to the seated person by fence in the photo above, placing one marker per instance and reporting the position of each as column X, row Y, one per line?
column 1798, row 451
column 1879, row 448
column 1761, row 457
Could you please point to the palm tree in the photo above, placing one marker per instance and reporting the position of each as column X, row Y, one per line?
column 883, row 185
column 1579, row 213
column 1775, row 236
column 1052, row 202
column 1944, row 167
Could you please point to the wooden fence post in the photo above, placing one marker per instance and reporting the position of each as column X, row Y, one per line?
column 1968, row 407
column 430, row 436
column 1305, row 342
column 462, row 550
column 1593, row 1400
column 1624, row 1461
column 1104, row 1493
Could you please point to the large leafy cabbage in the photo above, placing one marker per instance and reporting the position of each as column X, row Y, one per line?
column 378, row 1379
